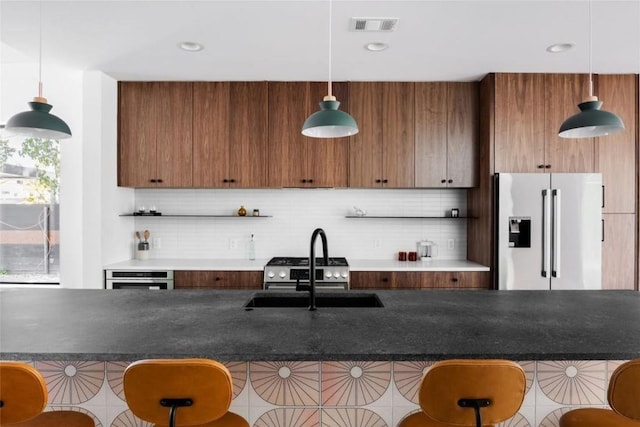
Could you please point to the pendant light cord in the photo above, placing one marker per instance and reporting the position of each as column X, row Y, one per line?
column 590, row 51
column 40, row 50
column 330, row 44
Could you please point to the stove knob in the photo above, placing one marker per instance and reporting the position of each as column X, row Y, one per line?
column 271, row 274
column 282, row 274
column 336, row 274
column 344, row 274
column 328, row 275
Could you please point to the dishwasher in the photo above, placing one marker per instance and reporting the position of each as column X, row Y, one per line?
column 138, row 279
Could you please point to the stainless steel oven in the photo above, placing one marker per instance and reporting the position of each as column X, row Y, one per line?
column 283, row 273
column 138, row 279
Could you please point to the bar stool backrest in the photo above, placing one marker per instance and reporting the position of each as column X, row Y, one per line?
column 501, row 384
column 205, row 382
column 624, row 390
column 23, row 392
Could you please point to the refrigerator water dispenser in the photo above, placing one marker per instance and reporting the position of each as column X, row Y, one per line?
column 519, row 232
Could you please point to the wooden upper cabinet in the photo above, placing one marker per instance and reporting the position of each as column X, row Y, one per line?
column 446, row 134
column 382, row 153
column 230, row 134
column 617, row 153
column 529, row 110
column 155, row 134
column 294, row 159
column 563, row 94
column 519, row 123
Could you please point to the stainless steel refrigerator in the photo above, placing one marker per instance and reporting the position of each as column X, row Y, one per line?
column 549, row 230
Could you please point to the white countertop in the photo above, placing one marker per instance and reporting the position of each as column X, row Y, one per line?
column 258, row 265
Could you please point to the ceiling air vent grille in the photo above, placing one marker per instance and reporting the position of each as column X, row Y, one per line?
column 373, row 24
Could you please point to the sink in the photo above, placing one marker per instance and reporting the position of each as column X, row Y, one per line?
column 323, row 299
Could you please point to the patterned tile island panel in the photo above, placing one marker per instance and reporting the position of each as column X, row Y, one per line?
column 328, row 394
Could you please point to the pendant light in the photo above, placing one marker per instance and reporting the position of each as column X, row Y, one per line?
column 329, row 122
column 38, row 122
column 591, row 121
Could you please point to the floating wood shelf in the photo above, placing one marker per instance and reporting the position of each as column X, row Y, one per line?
column 195, row 216
column 406, row 217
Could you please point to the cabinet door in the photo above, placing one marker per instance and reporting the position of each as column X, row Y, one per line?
column 365, row 148
column 618, row 251
column 137, row 110
column 211, row 101
column 563, row 94
column 462, row 134
column 519, row 123
column 174, row 138
column 287, row 152
column 398, row 135
column 617, row 152
column 248, row 134
column 327, row 158
column 370, row 279
column 431, row 115
column 217, row 280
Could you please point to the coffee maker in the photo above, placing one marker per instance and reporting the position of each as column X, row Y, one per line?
column 427, row 250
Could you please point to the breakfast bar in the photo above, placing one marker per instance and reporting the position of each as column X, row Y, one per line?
column 333, row 362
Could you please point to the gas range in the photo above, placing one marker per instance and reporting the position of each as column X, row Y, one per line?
column 282, row 273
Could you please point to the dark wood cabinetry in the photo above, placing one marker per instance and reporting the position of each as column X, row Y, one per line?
column 294, row 159
column 155, row 134
column 382, row 153
column 230, row 146
column 528, row 111
column 186, row 279
column 420, row 280
column 446, row 134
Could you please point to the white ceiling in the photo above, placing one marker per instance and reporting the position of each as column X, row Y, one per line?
column 289, row 40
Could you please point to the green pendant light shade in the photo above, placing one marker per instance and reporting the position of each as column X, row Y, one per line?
column 38, row 122
column 591, row 121
column 329, row 122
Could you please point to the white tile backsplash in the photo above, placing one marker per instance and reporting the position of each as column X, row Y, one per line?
column 294, row 214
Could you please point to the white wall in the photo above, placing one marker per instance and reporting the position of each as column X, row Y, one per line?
column 295, row 213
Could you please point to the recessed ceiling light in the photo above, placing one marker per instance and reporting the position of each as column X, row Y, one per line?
column 190, row 46
column 560, row 47
column 376, row 47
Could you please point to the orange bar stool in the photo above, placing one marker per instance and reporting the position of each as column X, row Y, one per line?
column 181, row 392
column 624, row 390
column 23, row 392
column 469, row 393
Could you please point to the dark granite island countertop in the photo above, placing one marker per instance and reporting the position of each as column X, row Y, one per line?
column 127, row 325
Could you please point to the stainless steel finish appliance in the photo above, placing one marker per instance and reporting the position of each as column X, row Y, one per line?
column 282, row 273
column 138, row 279
column 550, row 231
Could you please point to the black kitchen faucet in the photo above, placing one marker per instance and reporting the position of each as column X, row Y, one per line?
column 311, row 287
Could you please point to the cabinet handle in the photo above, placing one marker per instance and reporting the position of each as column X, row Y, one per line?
column 603, row 196
column 385, row 279
column 454, row 279
column 378, row 181
column 602, row 230
column 443, row 181
column 450, row 181
column 547, row 166
column 384, row 181
column 159, row 180
column 153, row 180
column 309, row 180
column 217, row 279
column 303, row 181
column 232, row 180
column 540, row 166
column 225, row 180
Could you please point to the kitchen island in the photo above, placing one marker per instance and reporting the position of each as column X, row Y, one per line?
column 333, row 359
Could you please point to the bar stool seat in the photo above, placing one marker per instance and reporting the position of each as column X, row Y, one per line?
column 595, row 417
column 59, row 419
column 469, row 393
column 181, row 392
column 23, row 392
column 624, row 390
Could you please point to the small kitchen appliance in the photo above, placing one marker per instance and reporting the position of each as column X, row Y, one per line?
column 427, row 250
column 283, row 273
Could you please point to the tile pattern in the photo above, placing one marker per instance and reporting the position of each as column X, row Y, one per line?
column 329, row 394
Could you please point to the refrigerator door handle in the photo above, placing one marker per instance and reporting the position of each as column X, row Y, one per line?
column 546, row 234
column 555, row 224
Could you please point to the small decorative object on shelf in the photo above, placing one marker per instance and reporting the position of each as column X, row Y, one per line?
column 150, row 213
column 256, row 212
column 242, row 211
column 454, row 213
column 359, row 212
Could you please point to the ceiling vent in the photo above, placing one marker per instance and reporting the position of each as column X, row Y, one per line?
column 373, row 24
